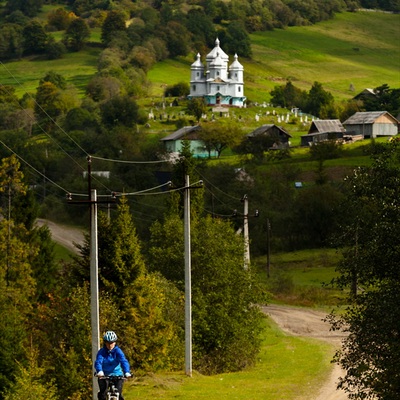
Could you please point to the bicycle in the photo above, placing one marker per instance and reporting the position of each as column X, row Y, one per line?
column 112, row 390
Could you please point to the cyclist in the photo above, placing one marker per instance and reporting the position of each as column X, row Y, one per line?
column 111, row 361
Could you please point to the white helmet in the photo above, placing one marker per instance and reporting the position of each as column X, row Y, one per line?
column 110, row 336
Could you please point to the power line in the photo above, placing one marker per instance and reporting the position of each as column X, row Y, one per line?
column 216, row 187
column 29, row 165
column 128, row 161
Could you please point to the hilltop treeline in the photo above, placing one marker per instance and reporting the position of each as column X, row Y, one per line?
column 158, row 26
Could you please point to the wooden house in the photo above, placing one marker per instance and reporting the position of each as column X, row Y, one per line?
column 281, row 138
column 322, row 130
column 372, row 124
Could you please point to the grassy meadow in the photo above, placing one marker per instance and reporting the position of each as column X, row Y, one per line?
column 353, row 48
column 287, row 368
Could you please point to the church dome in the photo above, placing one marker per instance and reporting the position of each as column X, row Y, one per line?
column 198, row 63
column 236, row 64
column 217, row 51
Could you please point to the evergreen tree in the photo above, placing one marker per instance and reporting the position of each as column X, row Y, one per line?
column 32, row 382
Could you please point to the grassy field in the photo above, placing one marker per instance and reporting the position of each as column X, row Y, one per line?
column 302, row 278
column 76, row 68
column 353, row 48
column 288, row 368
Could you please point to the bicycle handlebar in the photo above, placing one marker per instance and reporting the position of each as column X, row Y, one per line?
column 111, row 377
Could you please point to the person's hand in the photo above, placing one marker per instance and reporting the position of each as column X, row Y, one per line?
column 100, row 374
column 128, row 375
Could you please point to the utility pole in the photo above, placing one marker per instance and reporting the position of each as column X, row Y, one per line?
column 245, row 200
column 94, row 286
column 188, row 275
column 94, row 271
column 268, row 248
column 188, row 281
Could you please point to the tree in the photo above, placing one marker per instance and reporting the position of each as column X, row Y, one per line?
column 48, row 105
column 76, row 34
column 35, row 38
column 201, row 26
column 371, row 351
column 385, row 99
column 149, row 307
column 237, row 40
column 172, row 35
column 318, row 98
column 31, row 382
column 28, row 7
column 114, row 23
column 59, row 19
column 218, row 136
column 225, row 337
column 17, row 289
column 56, row 79
column 180, row 89
column 11, row 41
column 197, row 107
column 120, row 110
column 288, row 96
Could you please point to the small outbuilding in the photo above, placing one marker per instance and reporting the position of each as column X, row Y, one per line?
column 280, row 138
column 366, row 94
column 322, row 130
column 372, row 124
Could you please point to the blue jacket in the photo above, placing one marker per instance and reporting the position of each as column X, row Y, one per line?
column 111, row 362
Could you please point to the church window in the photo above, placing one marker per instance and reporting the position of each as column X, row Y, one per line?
column 194, row 88
column 198, row 74
column 217, row 73
column 239, row 89
column 236, row 75
column 217, row 87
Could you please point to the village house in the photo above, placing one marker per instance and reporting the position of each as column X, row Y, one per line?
column 322, row 130
column 173, row 142
column 279, row 137
column 372, row 124
column 218, row 83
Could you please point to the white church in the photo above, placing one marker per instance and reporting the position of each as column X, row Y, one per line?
column 218, row 83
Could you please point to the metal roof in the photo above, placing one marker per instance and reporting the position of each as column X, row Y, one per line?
column 367, row 117
column 181, row 132
column 327, row 125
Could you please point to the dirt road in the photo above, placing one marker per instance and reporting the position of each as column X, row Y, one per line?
column 309, row 323
column 64, row 235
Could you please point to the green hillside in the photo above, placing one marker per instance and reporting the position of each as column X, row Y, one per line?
column 353, row 48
